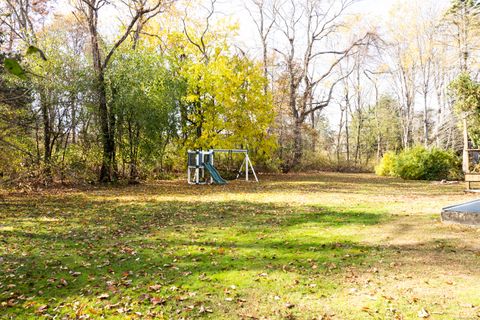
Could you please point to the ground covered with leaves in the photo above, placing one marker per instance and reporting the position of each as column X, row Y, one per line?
column 310, row 246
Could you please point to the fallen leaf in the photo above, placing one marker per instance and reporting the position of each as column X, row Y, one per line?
column 157, row 301
column 423, row 314
column 389, row 298
column 103, row 296
column 205, row 310
column 366, row 309
column 42, row 308
column 155, row 287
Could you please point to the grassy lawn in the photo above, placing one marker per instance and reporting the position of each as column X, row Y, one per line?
column 311, row 246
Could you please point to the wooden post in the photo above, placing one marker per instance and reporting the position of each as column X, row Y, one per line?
column 465, row 163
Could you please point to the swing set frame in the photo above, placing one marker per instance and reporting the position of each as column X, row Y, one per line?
column 245, row 164
column 197, row 158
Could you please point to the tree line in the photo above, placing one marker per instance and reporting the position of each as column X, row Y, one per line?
column 87, row 104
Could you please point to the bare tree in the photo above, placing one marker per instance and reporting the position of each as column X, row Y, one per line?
column 345, row 108
column 426, row 49
column 404, row 74
column 198, row 39
column 313, row 22
column 372, row 76
column 136, row 6
column 19, row 19
column 264, row 19
column 443, row 73
column 425, row 68
column 358, row 103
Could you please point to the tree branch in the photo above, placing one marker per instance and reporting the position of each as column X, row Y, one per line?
column 139, row 13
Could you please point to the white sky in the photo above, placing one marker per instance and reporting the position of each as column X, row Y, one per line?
column 236, row 10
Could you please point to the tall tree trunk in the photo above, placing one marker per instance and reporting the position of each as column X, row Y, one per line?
column 73, row 125
column 297, row 129
column 407, row 129
column 107, row 123
column 377, row 121
column 313, row 125
column 297, row 143
column 439, row 119
column 347, row 134
column 339, row 137
column 134, row 140
column 136, row 34
column 357, row 139
column 359, row 115
column 265, row 65
column 425, row 120
column 47, row 139
column 379, row 146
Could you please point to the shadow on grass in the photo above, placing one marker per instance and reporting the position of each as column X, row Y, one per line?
column 122, row 249
column 100, row 246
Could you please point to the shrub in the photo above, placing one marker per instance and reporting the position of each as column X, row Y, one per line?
column 410, row 164
column 419, row 163
column 78, row 164
column 441, row 164
column 386, row 167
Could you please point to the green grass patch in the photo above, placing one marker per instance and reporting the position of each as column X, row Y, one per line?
column 285, row 248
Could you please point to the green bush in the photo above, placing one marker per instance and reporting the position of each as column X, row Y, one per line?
column 410, row 164
column 419, row 163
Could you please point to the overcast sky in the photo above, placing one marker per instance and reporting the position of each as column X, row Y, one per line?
column 372, row 8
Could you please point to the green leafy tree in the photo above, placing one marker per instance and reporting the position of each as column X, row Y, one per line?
column 89, row 10
column 463, row 18
column 144, row 90
column 60, row 85
column 466, row 93
column 16, row 116
column 381, row 129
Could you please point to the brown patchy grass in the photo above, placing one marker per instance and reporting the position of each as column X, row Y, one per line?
column 305, row 246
